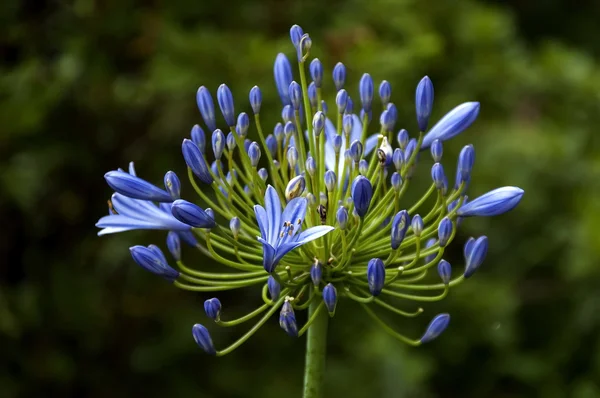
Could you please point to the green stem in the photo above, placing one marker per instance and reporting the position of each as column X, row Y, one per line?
column 316, row 345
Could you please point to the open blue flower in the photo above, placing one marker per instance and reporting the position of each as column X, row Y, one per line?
column 279, row 231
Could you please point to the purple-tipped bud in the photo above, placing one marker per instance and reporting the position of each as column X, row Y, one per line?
column 214, row 167
column 202, row 338
column 152, row 259
column 375, row 276
column 437, row 150
column 316, row 72
column 385, row 92
column 225, row 101
column 318, row 123
column 172, row 184
column 218, row 143
column 235, row 225
column 311, row 166
column 417, row 225
column 212, row 307
column 445, row 271
column 136, row 188
column 361, row 192
column 493, row 203
column 274, row 288
column 477, row 253
column 287, row 319
column 399, row 227
column 356, row 150
column 206, row 107
column 289, row 129
column 424, row 102
column 195, row 161
column 444, row 231
column 283, row 77
column 254, row 154
column 312, row 95
column 174, row 245
column 341, row 217
column 295, row 187
column 198, row 137
column 243, row 122
column 438, row 176
column 466, row 158
column 428, row 244
column 330, row 180
column 337, row 144
column 455, row 122
column 436, row 327
column 316, row 273
column 190, row 214
column 295, row 95
column 398, row 158
column 396, row 181
column 365, row 89
column 287, row 114
column 330, row 298
column 231, row 144
column 403, row 138
column 255, row 99
column 341, row 100
column 339, row 76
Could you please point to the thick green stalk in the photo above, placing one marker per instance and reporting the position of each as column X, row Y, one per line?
column 316, row 347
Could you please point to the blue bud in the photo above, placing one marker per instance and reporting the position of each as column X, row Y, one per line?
column 283, row 77
column 399, row 227
column 247, row 190
column 287, row 114
column 476, row 256
column 278, row 132
column 365, row 89
column 316, row 273
column 445, row 271
column 312, row 95
column 392, row 116
column 375, row 276
column 424, row 102
column 436, row 327
column 271, row 142
column 412, row 145
column 212, row 307
column 348, row 124
column 330, row 298
column 437, row 150
column 173, row 185
column 190, row 214
column 428, row 244
column 295, row 95
column 255, row 99
column 466, row 158
column 274, row 288
column 386, row 148
column 356, row 150
column 337, row 144
column 198, row 137
column 231, row 142
column 398, row 158
column 218, row 143
column 214, row 167
column 493, row 203
column 174, row 245
column 318, row 123
column 295, row 187
column 468, row 247
column 287, row 319
column 341, row 100
column 296, row 34
column 386, row 121
column 339, row 76
column 225, row 100
column 152, row 259
column 254, row 153
column 243, row 122
column 403, row 138
column 330, row 180
column 438, row 176
column 206, row 107
column 362, row 192
column 396, row 181
column 324, row 107
column 367, row 115
column 136, row 188
column 341, row 217
column 292, row 157
column 349, row 106
column 444, row 231
column 235, row 225
column 195, row 161
column 453, row 123
column 417, row 225
column 202, row 338
column 347, row 157
column 306, row 44
column 311, row 166
column 385, row 92
column 289, row 129
column 316, row 72
column 363, row 167
column 263, row 174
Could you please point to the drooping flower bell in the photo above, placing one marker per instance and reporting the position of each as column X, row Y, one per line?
column 314, row 212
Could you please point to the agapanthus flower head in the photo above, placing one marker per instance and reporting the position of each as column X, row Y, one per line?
column 315, row 212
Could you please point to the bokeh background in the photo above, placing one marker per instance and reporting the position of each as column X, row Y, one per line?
column 86, row 86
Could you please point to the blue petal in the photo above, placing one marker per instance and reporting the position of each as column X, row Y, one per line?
column 269, row 262
column 294, row 213
column 304, row 237
column 135, row 187
column 119, row 223
column 261, row 218
column 452, row 124
column 356, row 133
column 273, row 209
column 371, row 143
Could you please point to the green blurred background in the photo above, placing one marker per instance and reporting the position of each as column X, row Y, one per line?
column 86, row 86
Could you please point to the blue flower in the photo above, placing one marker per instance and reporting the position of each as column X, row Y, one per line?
column 280, row 231
column 152, row 259
column 436, row 327
column 135, row 187
column 493, row 203
column 452, row 124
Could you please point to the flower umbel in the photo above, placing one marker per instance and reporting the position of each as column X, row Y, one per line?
column 313, row 213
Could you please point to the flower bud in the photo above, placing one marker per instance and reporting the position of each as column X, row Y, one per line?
column 202, row 338
column 289, row 130
column 295, row 187
column 214, row 167
column 287, row 114
column 316, row 72
column 225, row 100
column 396, row 181
column 323, row 199
column 417, row 225
column 206, row 107
column 468, row 247
column 287, row 319
column 330, row 180
column 324, row 107
column 445, row 271
column 375, row 276
column 363, row 167
column 263, row 174
column 271, row 142
column 311, row 199
column 173, row 185
column 135, row 187
column 410, row 148
column 437, row 150
column 218, row 143
column 274, row 288
column 438, row 176
column 295, row 95
column 212, row 307
column 493, row 203
column 466, row 158
column 231, row 144
column 348, row 124
column 337, row 144
column 174, row 245
column 341, row 100
column 341, row 217
column 312, row 95
column 190, row 214
column 436, row 327
column 361, row 192
column 385, row 92
column 349, row 106
column 444, row 231
column 399, row 227
column 316, row 273
column 282, row 70
column 198, row 137
column 453, row 123
column 311, row 166
column 476, row 256
column 330, row 298
column 152, row 259
column 365, row 89
column 424, row 102
column 403, row 138
column 392, row 116
column 195, row 161
column 398, row 158
column 428, row 244
column 339, row 76
column 318, row 123
column 356, row 151
column 386, row 121
column 296, row 34
column 278, row 132
column 243, row 122
column 254, row 154
column 292, row 157
column 235, row 225
column 255, row 99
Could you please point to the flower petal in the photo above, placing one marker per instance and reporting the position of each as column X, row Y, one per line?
column 261, row 219
column 273, row 209
column 269, row 262
column 294, row 213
